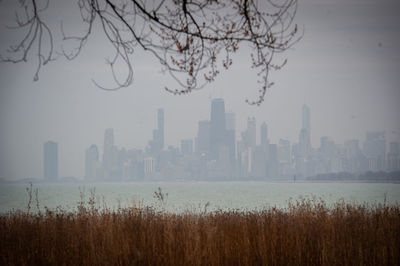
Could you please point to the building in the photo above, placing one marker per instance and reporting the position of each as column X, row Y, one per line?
column 50, row 161
column 149, row 166
column 231, row 136
column 217, row 127
column 187, row 147
column 374, row 149
column 203, row 138
column 249, row 136
column 91, row 163
column 110, row 155
column 393, row 156
column 264, row 134
column 157, row 143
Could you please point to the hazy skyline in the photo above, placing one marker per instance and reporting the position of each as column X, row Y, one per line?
column 345, row 69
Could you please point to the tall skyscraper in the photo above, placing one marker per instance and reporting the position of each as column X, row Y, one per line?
column 157, row 143
column 306, row 124
column 110, row 154
column 91, row 162
column 203, row 138
column 249, row 136
column 50, row 160
column 108, row 147
column 264, row 134
column 305, row 133
column 108, row 139
column 230, row 135
column 186, row 147
column 217, row 126
column 160, row 124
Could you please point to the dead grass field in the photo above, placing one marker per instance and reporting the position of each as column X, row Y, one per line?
column 304, row 233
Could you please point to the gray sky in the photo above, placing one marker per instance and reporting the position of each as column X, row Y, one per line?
column 346, row 68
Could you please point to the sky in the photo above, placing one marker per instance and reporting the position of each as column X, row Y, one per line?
column 345, row 68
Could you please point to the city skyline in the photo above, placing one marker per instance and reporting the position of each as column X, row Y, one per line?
column 345, row 68
column 215, row 153
column 254, row 133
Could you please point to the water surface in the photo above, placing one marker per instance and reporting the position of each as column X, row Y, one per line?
column 195, row 195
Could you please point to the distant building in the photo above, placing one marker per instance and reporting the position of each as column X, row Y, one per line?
column 354, row 159
column 249, row 136
column 303, row 161
column 231, row 136
column 284, row 151
column 110, row 155
column 306, row 118
column 50, row 161
column 374, row 149
column 157, row 143
column 149, row 166
column 186, row 147
column 203, row 138
column 393, row 156
column 217, row 127
column 91, row 163
column 264, row 134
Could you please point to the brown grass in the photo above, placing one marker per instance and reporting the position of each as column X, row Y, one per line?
column 305, row 233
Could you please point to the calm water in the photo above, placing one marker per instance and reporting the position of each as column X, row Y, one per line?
column 194, row 196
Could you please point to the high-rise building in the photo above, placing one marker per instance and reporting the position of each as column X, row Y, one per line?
column 91, row 163
column 108, row 139
column 303, row 164
column 230, row 135
column 305, row 133
column 353, row 157
column 284, row 151
column 393, row 156
column 249, row 136
column 306, row 124
column 217, row 127
column 109, row 154
column 157, row 143
column 160, row 120
column 203, row 138
column 375, row 150
column 264, row 134
column 50, row 160
column 186, row 147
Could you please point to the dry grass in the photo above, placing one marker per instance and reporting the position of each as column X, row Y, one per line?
column 305, row 233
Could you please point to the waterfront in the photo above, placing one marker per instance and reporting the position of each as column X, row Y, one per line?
column 195, row 195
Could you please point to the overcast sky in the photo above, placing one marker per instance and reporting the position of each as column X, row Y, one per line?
column 346, row 69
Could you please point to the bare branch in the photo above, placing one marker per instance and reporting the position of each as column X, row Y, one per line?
column 191, row 39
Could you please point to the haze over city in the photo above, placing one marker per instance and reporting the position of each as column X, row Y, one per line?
column 345, row 69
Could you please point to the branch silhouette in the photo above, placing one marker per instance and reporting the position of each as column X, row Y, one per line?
column 192, row 40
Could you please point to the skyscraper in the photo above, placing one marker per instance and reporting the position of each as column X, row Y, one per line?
column 110, row 154
column 375, row 150
column 50, row 160
column 108, row 139
column 160, row 124
column 249, row 136
column 305, row 133
column 230, row 135
column 157, row 143
column 203, row 137
column 264, row 134
column 186, row 147
column 91, row 162
column 217, row 126
column 306, row 124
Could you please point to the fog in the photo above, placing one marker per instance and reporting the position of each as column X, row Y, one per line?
column 345, row 69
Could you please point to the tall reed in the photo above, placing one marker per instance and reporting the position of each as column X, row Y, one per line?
column 307, row 232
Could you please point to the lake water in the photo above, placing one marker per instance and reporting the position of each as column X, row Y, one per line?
column 195, row 195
